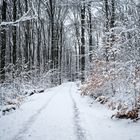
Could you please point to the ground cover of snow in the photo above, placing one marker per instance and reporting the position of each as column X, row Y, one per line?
column 60, row 113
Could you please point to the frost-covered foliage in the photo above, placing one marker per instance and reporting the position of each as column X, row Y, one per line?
column 23, row 83
column 116, row 59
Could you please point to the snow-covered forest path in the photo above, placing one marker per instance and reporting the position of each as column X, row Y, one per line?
column 62, row 114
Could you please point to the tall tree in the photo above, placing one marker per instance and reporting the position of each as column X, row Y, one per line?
column 54, row 52
column 106, row 3
column 112, row 21
column 26, row 46
column 90, row 31
column 3, row 41
column 14, row 32
column 82, row 49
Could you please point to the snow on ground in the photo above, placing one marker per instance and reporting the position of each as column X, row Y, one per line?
column 62, row 114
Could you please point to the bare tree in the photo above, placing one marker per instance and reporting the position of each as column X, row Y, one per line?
column 3, row 41
column 82, row 49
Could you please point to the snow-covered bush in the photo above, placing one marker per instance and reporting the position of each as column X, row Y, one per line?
column 116, row 62
column 19, row 84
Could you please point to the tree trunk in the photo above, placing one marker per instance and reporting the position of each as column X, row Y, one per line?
column 3, row 42
column 14, row 33
column 90, row 32
column 60, row 53
column 26, row 48
column 38, row 26
column 112, row 21
column 82, row 55
column 106, row 30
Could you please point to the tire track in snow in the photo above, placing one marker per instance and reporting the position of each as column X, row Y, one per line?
column 80, row 132
column 31, row 120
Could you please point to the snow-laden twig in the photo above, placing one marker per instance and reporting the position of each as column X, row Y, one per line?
column 25, row 17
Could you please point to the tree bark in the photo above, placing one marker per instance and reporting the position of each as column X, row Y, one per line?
column 107, row 30
column 3, row 42
column 14, row 32
column 82, row 55
column 90, row 32
column 26, row 48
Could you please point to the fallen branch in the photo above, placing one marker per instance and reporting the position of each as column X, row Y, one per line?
column 8, row 109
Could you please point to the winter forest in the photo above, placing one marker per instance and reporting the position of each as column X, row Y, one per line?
column 89, row 47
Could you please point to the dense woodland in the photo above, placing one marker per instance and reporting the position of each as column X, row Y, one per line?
column 47, row 42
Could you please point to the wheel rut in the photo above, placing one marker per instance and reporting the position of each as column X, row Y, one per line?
column 79, row 130
column 31, row 120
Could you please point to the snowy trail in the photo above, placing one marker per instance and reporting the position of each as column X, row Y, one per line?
column 56, row 121
column 62, row 114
